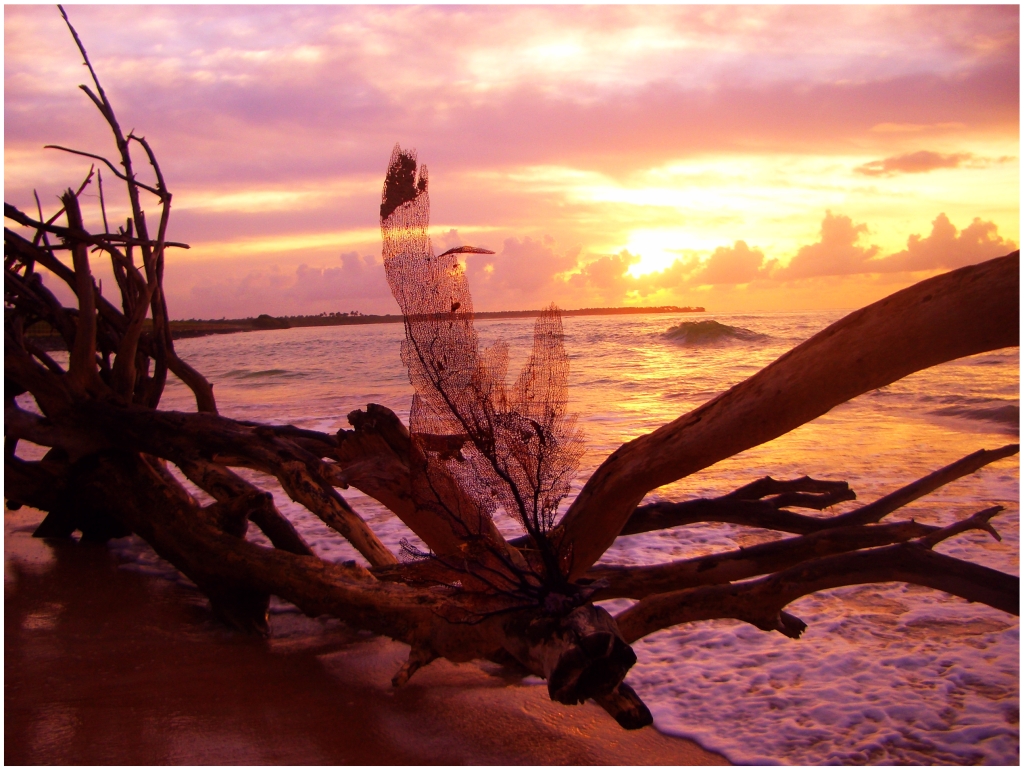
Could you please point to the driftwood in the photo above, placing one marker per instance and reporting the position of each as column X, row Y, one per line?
column 475, row 445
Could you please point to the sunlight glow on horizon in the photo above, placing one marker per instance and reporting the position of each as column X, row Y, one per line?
column 606, row 158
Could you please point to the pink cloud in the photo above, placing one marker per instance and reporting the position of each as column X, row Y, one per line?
column 913, row 163
column 522, row 275
column 239, row 288
column 272, row 94
column 836, row 253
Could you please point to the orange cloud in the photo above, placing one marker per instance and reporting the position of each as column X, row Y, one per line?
column 945, row 248
column 738, row 264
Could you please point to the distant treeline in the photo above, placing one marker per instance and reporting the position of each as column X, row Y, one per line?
column 195, row 328
column 192, row 327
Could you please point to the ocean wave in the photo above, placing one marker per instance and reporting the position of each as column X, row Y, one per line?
column 1008, row 414
column 248, row 374
column 705, row 333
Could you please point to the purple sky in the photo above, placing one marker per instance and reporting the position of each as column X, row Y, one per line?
column 738, row 158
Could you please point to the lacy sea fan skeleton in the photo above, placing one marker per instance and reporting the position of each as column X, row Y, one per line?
column 517, row 449
column 476, row 445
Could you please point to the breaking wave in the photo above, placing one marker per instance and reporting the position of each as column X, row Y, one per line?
column 1008, row 416
column 705, row 333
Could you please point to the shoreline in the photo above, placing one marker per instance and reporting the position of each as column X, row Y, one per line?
column 106, row 665
column 186, row 329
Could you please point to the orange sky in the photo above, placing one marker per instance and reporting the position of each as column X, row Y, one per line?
column 757, row 158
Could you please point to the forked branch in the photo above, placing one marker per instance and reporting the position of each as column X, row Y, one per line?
column 741, row 507
column 761, row 602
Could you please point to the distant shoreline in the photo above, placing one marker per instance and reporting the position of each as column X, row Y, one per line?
column 48, row 339
column 202, row 328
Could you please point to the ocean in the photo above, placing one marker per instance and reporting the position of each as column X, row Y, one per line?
column 884, row 674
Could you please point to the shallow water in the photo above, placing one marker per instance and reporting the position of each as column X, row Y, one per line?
column 885, row 674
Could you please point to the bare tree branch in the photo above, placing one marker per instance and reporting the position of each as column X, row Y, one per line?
column 638, row 582
column 760, row 602
column 736, row 508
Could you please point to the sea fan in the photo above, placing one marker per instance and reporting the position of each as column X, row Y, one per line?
column 514, row 448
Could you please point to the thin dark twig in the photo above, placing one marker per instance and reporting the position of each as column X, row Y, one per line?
column 11, row 212
column 152, row 161
column 40, row 232
column 40, row 225
column 103, row 205
column 85, row 56
column 110, row 165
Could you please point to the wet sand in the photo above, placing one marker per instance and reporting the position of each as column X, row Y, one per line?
column 105, row 665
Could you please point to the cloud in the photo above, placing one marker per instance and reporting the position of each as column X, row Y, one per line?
column 945, row 248
column 738, row 264
column 273, row 125
column 522, row 275
column 357, row 278
column 269, row 94
column 605, row 272
column 238, row 289
column 837, row 253
column 919, row 162
column 913, row 128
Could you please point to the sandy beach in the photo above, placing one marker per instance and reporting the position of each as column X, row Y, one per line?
column 105, row 665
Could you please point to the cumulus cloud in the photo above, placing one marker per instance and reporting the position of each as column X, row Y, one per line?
column 528, row 273
column 522, row 275
column 836, row 253
column 919, row 162
column 945, row 248
column 839, row 252
column 357, row 277
column 607, row 275
column 234, row 289
column 729, row 265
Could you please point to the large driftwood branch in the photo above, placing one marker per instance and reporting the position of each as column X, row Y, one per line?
column 850, row 531
column 177, row 435
column 253, row 504
column 761, row 602
column 638, row 582
column 961, row 313
column 740, row 507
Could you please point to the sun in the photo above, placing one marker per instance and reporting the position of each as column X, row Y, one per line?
column 659, row 248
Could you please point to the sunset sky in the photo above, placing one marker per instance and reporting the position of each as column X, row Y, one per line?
column 740, row 158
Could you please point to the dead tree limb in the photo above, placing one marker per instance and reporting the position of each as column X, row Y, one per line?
column 741, row 507
column 761, row 602
column 638, row 582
